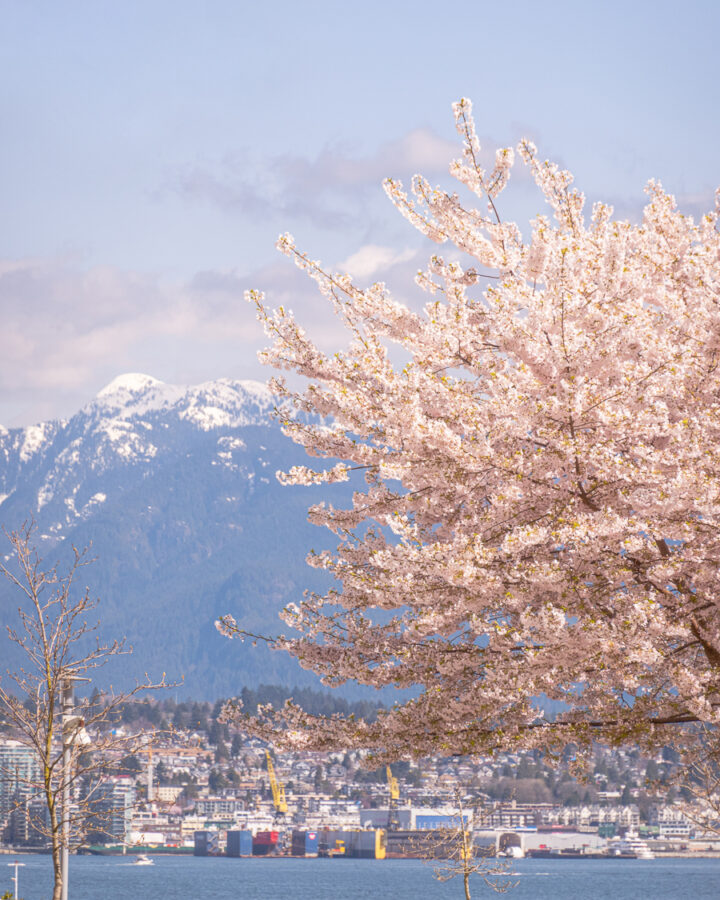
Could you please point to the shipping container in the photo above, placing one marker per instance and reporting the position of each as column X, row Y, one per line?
column 304, row 843
column 367, row 844
column 353, row 844
column 265, row 842
column 239, row 843
column 207, row 843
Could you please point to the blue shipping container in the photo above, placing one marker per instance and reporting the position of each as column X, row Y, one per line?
column 207, row 843
column 304, row 843
column 239, row 843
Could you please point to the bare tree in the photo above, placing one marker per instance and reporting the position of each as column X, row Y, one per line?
column 697, row 777
column 76, row 745
column 456, row 844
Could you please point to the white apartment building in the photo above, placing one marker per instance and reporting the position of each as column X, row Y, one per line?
column 19, row 776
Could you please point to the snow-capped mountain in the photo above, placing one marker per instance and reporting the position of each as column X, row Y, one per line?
column 175, row 489
column 132, row 421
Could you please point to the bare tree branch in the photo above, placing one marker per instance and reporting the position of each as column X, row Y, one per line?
column 76, row 747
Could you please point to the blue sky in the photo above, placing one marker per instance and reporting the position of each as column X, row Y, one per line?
column 152, row 152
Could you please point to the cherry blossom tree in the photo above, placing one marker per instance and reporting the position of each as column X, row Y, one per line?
column 541, row 509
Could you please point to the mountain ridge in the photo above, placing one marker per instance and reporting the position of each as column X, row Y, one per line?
column 174, row 487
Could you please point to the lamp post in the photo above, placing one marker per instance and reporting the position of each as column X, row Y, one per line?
column 67, row 706
column 72, row 731
column 15, row 876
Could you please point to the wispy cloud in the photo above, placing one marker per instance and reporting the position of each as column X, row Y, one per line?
column 69, row 329
column 372, row 259
column 330, row 190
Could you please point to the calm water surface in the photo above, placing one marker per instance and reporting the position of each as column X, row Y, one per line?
column 189, row 878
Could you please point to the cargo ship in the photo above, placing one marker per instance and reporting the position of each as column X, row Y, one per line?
column 565, row 853
column 133, row 849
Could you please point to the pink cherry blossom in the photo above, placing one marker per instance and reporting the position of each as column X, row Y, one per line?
column 541, row 509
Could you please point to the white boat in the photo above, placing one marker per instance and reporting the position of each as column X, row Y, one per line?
column 632, row 846
column 142, row 860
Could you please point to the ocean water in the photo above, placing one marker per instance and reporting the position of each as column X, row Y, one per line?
column 190, row 878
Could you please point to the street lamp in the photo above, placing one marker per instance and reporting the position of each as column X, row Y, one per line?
column 73, row 732
column 15, row 876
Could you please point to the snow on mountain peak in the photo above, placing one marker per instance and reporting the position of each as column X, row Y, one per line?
column 213, row 404
column 132, row 382
column 133, row 421
column 135, row 394
column 226, row 403
column 35, row 437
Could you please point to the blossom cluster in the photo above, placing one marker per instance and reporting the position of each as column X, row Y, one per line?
column 541, row 513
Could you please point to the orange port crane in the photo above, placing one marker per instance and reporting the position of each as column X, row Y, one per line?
column 278, row 790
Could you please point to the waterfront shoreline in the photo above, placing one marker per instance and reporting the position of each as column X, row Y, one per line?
column 361, row 879
column 174, row 853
